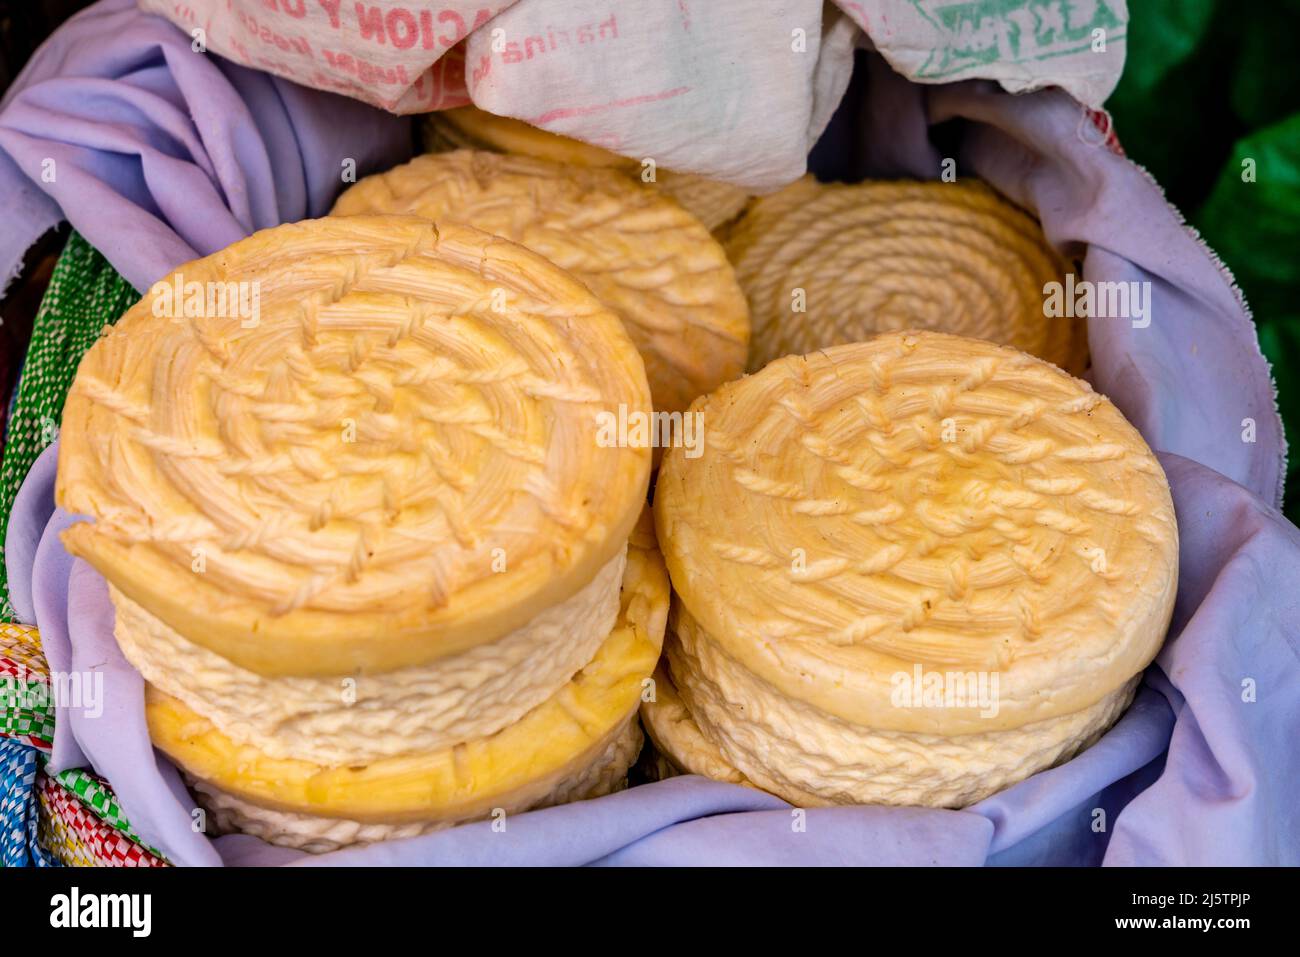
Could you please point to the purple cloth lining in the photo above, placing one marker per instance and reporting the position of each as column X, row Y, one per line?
column 1201, row 770
column 161, row 155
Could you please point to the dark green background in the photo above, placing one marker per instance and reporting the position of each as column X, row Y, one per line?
column 1207, row 84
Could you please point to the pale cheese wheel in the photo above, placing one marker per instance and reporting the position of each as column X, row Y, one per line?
column 677, row 738
column 642, row 256
column 728, row 724
column 826, row 264
column 390, row 459
column 920, row 503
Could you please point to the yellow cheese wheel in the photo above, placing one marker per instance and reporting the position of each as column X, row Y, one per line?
column 388, row 460
column 714, row 203
column 642, row 255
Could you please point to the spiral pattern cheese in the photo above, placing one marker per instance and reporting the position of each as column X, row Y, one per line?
column 826, row 264
column 393, row 461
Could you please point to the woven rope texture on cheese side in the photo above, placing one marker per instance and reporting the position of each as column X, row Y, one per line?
column 922, row 501
column 470, row 695
column 677, row 738
column 812, row 758
column 715, row 204
column 531, row 760
column 332, row 483
column 641, row 255
column 825, row 264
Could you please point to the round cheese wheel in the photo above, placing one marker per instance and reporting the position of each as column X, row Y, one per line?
column 826, row 264
column 874, row 514
column 353, row 445
column 642, row 255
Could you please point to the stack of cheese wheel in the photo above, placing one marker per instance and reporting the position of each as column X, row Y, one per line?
column 362, row 542
column 908, row 571
column 826, row 264
column 641, row 254
column 715, row 204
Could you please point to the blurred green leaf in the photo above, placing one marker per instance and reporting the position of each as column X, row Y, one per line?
column 1172, row 109
column 1255, row 226
column 1161, row 34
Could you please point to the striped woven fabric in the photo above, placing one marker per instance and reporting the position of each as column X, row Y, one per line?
column 19, row 846
column 75, row 818
column 85, row 294
column 97, row 796
column 26, row 708
column 79, row 838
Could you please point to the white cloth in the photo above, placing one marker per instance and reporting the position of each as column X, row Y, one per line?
column 734, row 89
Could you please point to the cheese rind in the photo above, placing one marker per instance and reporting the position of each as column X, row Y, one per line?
column 641, row 255
column 605, row 774
column 363, row 717
column 538, row 755
column 393, row 460
column 922, row 500
column 826, row 264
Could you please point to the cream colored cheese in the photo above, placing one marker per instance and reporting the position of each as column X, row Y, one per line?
column 680, row 747
column 812, row 758
column 923, row 500
column 340, row 721
column 229, row 814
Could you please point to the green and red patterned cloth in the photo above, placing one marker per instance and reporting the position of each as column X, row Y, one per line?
column 71, row 817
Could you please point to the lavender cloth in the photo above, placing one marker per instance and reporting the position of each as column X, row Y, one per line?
column 1201, row 770
column 158, row 154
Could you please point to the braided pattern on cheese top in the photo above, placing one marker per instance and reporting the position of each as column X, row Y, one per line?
column 640, row 254
column 712, row 202
column 884, row 256
column 922, row 499
column 396, row 461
